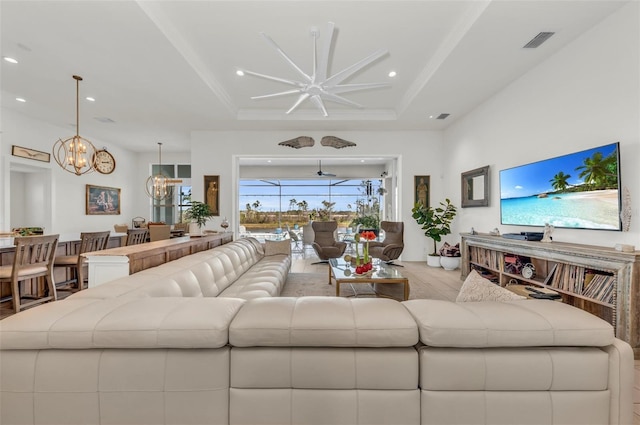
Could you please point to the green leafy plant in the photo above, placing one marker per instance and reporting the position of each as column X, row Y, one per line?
column 199, row 212
column 436, row 222
column 366, row 222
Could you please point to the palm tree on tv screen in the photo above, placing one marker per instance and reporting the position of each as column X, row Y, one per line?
column 599, row 171
column 560, row 181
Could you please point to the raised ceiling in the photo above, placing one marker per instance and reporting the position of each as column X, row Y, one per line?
column 160, row 69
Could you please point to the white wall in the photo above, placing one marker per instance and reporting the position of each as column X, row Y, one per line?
column 420, row 153
column 585, row 96
column 67, row 190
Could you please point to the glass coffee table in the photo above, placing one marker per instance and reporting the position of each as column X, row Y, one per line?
column 344, row 272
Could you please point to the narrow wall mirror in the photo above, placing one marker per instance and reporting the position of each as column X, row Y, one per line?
column 475, row 188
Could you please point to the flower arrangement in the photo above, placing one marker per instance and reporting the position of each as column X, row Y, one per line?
column 366, row 264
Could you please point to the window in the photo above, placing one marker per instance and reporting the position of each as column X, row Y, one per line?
column 171, row 209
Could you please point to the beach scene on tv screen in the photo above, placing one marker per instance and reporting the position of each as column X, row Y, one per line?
column 579, row 190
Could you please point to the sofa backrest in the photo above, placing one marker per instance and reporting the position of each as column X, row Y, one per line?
column 203, row 274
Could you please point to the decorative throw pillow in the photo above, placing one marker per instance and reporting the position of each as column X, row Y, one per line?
column 477, row 288
column 277, row 247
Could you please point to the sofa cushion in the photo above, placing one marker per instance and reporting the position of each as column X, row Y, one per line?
column 323, row 321
column 122, row 323
column 478, row 288
column 519, row 323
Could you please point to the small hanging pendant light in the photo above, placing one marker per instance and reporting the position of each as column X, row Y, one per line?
column 75, row 154
column 157, row 184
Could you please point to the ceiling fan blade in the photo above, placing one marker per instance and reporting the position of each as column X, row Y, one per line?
column 345, row 88
column 317, row 100
column 322, row 173
column 285, row 56
column 269, row 77
column 321, row 69
column 282, row 93
column 301, row 99
column 349, row 71
column 339, row 99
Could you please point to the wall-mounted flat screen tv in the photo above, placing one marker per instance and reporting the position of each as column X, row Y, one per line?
column 579, row 191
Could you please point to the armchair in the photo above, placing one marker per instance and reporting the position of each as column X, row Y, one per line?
column 393, row 244
column 324, row 242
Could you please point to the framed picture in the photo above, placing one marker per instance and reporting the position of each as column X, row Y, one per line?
column 421, row 185
column 103, row 200
column 212, row 193
column 30, row 153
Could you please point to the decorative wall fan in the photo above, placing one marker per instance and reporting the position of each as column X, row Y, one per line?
column 319, row 86
column 322, row 173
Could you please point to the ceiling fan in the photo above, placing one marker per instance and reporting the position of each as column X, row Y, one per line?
column 318, row 86
column 322, row 173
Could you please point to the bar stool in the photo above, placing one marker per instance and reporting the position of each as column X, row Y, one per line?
column 89, row 242
column 137, row 236
column 33, row 259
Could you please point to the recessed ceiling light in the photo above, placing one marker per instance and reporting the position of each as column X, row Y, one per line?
column 240, row 73
column 90, row 99
column 19, row 99
column 393, row 74
column 268, row 160
column 430, row 117
column 362, row 160
column 10, row 60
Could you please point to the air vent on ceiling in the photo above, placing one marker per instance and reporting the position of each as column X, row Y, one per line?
column 538, row 40
column 106, row 120
column 442, row 116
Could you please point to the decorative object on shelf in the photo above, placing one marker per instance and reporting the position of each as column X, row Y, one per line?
column 336, row 142
column 494, row 232
column 225, row 224
column 625, row 213
column 528, row 271
column 30, row 153
column 436, row 223
column 298, row 142
column 212, row 194
column 75, row 154
column 104, row 162
column 475, row 188
column 548, row 230
column 102, row 200
column 421, row 185
column 319, row 86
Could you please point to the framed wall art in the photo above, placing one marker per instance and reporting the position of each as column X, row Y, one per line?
column 421, row 185
column 21, row 152
column 212, row 193
column 102, row 200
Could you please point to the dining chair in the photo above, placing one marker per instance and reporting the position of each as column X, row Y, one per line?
column 33, row 259
column 158, row 232
column 89, row 242
column 137, row 236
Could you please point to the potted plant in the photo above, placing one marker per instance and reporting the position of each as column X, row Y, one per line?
column 198, row 213
column 366, row 222
column 436, row 222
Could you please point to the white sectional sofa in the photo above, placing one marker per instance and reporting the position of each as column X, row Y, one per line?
column 137, row 355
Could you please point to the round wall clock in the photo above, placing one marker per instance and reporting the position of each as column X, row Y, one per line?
column 528, row 271
column 104, row 161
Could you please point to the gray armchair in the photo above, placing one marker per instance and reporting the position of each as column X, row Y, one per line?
column 325, row 243
column 393, row 244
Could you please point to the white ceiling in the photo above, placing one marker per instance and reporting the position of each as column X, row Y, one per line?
column 160, row 69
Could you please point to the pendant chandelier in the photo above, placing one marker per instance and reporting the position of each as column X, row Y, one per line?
column 75, row 154
column 158, row 184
